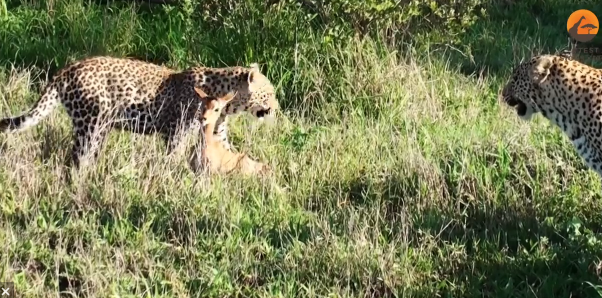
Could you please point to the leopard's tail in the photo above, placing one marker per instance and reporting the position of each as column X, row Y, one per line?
column 49, row 100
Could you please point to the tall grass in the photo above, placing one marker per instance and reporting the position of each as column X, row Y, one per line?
column 396, row 173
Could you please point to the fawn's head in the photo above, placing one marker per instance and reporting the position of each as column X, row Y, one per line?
column 213, row 106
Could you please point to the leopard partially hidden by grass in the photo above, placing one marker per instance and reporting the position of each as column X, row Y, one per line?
column 102, row 93
column 220, row 159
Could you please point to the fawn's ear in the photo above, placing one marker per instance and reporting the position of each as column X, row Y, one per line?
column 200, row 92
column 227, row 98
column 205, row 99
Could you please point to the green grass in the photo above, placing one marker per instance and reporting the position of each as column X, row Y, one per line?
column 395, row 172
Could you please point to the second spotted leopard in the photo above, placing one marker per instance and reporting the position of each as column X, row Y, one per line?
column 566, row 92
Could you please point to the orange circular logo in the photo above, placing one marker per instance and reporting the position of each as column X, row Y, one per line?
column 582, row 25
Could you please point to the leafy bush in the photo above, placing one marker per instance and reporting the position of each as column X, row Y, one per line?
column 448, row 18
column 444, row 19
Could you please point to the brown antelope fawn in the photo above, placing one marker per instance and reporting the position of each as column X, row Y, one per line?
column 220, row 159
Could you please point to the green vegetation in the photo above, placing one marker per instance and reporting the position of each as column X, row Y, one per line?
column 396, row 170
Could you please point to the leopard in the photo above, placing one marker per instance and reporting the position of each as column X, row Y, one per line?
column 102, row 93
column 219, row 159
column 565, row 91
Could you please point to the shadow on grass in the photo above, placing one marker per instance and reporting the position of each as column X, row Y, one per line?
column 510, row 253
column 461, row 240
column 514, row 30
column 478, row 240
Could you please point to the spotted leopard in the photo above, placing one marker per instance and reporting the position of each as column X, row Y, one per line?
column 566, row 92
column 102, row 93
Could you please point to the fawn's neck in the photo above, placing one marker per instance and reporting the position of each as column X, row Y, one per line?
column 209, row 132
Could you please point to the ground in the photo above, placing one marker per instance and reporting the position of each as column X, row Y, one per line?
column 393, row 173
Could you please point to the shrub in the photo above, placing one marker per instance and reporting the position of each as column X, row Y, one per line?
column 446, row 18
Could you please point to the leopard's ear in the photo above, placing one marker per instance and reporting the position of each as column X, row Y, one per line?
column 541, row 69
column 254, row 66
column 253, row 71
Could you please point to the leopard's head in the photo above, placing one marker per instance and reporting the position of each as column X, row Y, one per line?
column 524, row 90
column 256, row 94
